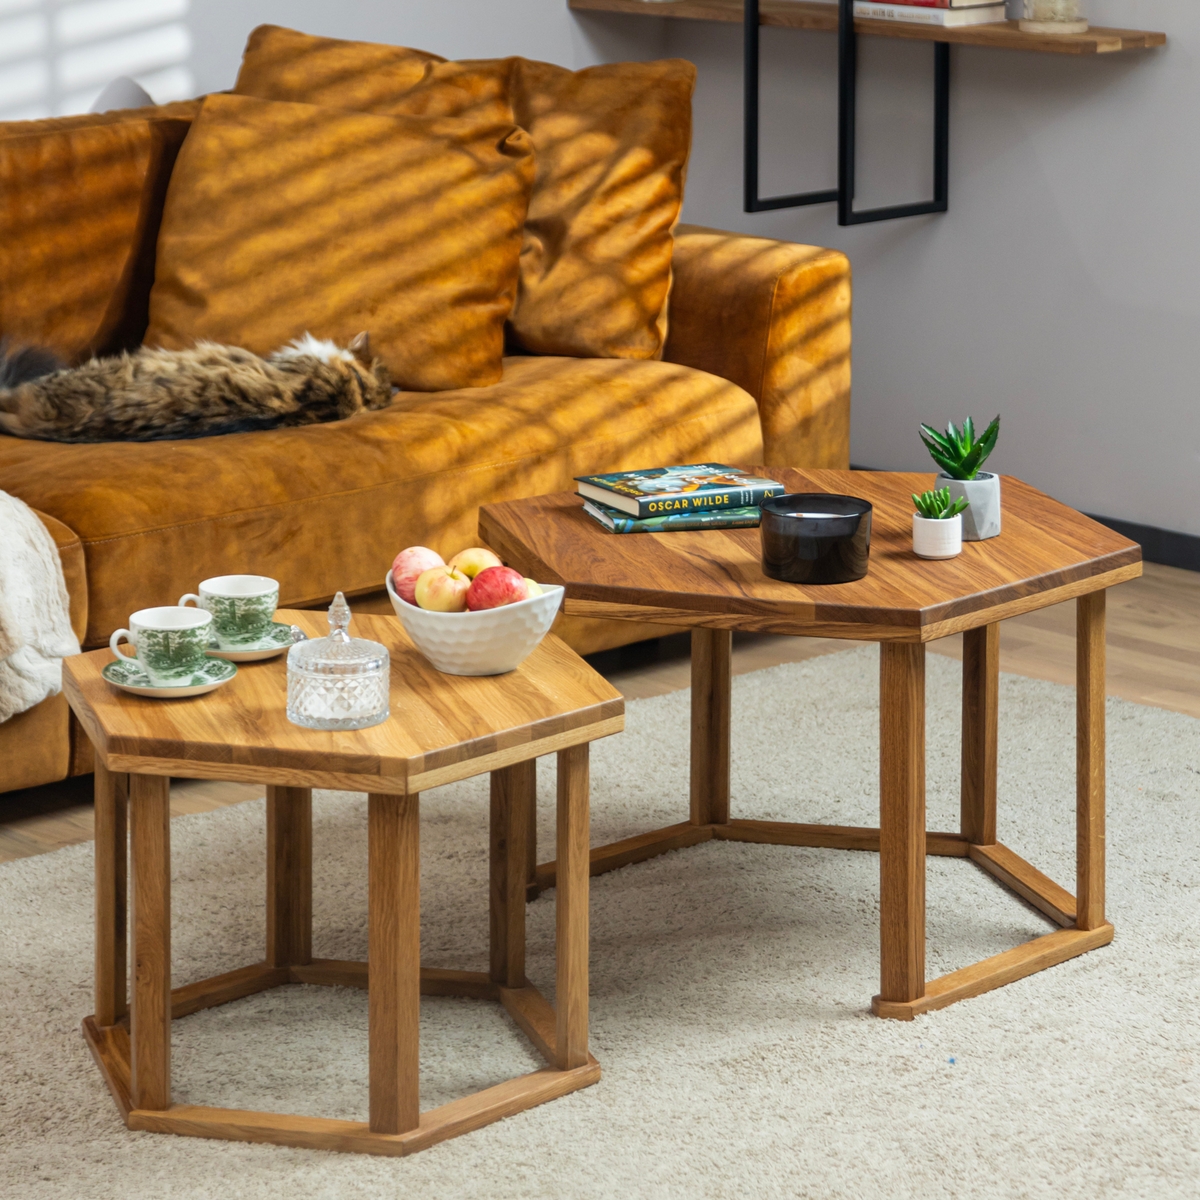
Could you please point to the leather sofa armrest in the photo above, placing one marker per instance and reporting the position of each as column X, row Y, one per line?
column 70, row 550
column 774, row 318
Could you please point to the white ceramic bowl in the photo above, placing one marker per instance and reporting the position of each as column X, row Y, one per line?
column 479, row 643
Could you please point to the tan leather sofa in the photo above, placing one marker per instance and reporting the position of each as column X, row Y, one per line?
column 41, row 744
column 756, row 369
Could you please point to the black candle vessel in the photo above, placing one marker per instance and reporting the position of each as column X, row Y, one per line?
column 812, row 537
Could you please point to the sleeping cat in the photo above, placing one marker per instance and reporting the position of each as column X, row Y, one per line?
column 152, row 395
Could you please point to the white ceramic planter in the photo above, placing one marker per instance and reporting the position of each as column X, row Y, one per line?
column 937, row 537
column 981, row 520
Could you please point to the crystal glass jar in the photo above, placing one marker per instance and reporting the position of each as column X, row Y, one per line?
column 1054, row 16
column 339, row 681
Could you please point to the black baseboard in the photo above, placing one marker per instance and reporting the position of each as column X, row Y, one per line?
column 1163, row 546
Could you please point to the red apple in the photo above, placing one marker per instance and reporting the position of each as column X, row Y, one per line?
column 496, row 586
column 410, row 564
column 474, row 560
column 442, row 589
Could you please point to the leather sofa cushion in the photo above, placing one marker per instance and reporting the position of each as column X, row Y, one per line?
column 74, row 565
column 176, row 110
column 287, row 218
column 37, row 745
column 612, row 145
column 327, row 507
column 79, row 213
column 284, row 64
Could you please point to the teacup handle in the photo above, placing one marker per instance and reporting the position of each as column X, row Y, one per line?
column 116, row 637
column 190, row 596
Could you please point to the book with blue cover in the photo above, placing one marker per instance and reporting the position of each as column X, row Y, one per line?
column 616, row 521
column 661, row 491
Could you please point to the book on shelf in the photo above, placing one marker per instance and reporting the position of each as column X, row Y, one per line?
column 930, row 3
column 657, row 491
column 614, row 520
column 942, row 4
column 921, row 14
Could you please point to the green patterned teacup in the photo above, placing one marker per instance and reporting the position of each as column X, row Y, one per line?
column 242, row 607
column 171, row 643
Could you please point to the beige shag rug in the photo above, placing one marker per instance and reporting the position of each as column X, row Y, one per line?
column 730, row 986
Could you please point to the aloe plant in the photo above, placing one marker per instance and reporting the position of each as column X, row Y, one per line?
column 956, row 451
column 937, row 506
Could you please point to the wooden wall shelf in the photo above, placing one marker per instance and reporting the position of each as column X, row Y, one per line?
column 805, row 14
column 838, row 18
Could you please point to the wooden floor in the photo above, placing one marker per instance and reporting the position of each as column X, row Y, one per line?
column 1153, row 658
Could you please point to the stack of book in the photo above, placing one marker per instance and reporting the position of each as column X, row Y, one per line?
column 664, row 499
column 947, row 13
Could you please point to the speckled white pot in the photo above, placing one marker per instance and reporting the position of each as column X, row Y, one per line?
column 490, row 642
column 939, row 537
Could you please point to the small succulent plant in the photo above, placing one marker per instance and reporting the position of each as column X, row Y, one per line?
column 956, row 451
column 937, row 506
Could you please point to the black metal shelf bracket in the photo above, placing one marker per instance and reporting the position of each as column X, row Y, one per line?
column 843, row 194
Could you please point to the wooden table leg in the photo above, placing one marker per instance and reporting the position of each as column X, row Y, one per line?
column 150, row 1035
column 1089, row 761
column 112, row 894
column 513, row 791
column 712, row 671
column 902, row 820
column 394, row 954
column 289, row 876
column 980, row 722
column 532, row 889
column 571, row 909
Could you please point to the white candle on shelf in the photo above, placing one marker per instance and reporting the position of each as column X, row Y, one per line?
column 1054, row 16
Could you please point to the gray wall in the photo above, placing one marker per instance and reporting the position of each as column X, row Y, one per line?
column 56, row 55
column 543, row 29
column 1061, row 290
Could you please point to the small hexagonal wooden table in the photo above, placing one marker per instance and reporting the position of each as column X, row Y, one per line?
column 712, row 582
column 442, row 728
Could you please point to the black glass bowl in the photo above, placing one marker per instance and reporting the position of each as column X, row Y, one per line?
column 812, row 537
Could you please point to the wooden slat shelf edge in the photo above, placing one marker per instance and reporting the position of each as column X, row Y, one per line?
column 287, row 776
column 110, row 1047
column 1047, row 951
column 322, row 1133
column 925, row 625
column 796, row 14
column 1027, row 881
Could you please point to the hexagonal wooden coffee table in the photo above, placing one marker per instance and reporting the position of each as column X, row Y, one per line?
column 712, row 582
column 442, row 728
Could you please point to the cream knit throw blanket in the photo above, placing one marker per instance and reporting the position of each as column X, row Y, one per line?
column 35, row 623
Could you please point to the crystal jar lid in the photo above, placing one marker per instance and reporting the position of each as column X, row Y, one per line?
column 339, row 653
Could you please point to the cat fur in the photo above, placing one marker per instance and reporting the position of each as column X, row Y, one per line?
column 154, row 395
column 18, row 365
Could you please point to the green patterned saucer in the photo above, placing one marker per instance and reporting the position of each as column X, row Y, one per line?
column 131, row 678
column 278, row 639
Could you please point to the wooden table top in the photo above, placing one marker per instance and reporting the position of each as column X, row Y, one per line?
column 441, row 728
column 1045, row 553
